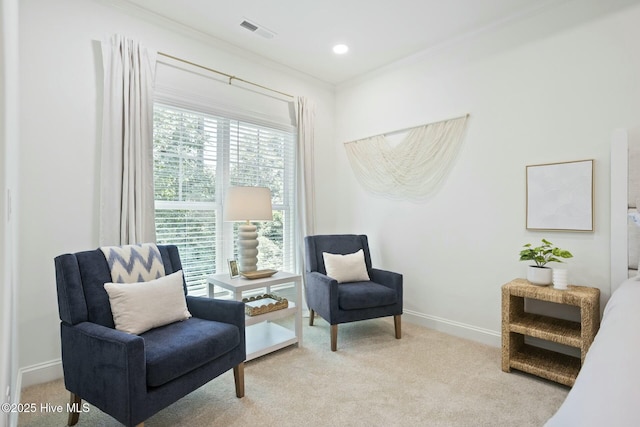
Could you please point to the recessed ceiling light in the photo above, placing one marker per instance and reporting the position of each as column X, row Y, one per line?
column 340, row 49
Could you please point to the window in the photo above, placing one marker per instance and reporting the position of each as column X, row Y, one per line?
column 197, row 155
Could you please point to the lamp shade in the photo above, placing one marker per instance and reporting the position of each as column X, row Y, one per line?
column 248, row 204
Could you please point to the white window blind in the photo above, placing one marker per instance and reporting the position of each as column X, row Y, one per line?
column 197, row 156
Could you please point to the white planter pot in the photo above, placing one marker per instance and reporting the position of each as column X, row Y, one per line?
column 539, row 275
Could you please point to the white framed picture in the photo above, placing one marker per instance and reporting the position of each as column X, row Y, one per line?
column 233, row 268
column 560, row 196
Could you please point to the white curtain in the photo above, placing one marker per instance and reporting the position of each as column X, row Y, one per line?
column 411, row 169
column 126, row 187
column 306, row 199
column 305, row 111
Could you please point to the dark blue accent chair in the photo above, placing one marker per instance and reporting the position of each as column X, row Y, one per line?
column 131, row 377
column 349, row 302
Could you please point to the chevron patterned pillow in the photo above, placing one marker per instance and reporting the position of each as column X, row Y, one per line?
column 134, row 263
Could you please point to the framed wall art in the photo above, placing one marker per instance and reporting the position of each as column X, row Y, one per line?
column 560, row 196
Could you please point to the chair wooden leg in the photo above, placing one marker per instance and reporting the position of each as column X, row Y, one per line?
column 74, row 404
column 238, row 375
column 334, row 337
column 311, row 316
column 397, row 322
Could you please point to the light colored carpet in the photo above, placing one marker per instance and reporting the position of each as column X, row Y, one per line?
column 427, row 378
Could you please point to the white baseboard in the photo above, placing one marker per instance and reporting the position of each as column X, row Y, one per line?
column 462, row 330
column 40, row 373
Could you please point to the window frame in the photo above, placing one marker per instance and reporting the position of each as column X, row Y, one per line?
column 225, row 237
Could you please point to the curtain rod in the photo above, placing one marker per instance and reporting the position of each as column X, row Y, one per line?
column 229, row 76
column 406, row 129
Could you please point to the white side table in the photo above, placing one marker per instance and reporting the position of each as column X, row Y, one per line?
column 262, row 335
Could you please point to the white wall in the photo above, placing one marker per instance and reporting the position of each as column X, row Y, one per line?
column 537, row 93
column 532, row 99
column 8, row 209
column 60, row 115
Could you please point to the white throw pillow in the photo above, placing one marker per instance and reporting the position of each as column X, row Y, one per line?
column 346, row 268
column 138, row 307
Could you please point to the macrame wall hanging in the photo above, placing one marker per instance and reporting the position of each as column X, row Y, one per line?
column 411, row 169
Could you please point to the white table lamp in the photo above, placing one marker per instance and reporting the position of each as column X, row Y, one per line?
column 248, row 204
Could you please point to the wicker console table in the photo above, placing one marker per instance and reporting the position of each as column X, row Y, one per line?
column 516, row 323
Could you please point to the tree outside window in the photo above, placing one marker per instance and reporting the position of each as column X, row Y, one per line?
column 196, row 157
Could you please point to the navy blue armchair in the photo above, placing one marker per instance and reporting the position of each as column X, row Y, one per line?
column 131, row 377
column 337, row 303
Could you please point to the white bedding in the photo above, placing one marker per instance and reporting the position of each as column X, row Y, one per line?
column 607, row 389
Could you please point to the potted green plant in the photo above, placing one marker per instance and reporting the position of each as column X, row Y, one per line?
column 539, row 274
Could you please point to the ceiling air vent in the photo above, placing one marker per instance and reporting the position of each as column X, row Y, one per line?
column 249, row 26
column 257, row 29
